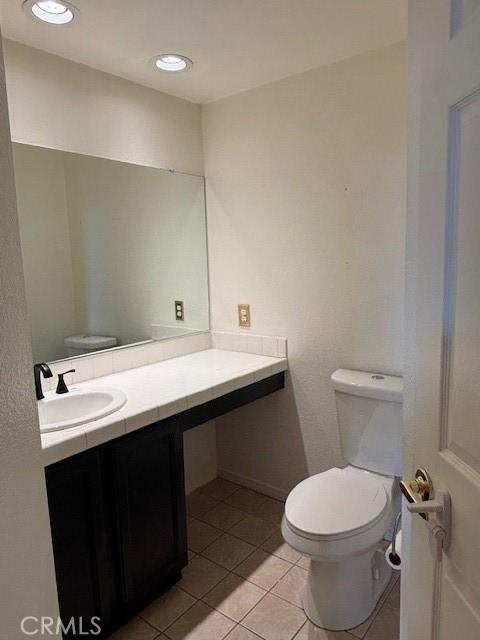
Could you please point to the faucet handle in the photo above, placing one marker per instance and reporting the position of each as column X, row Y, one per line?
column 61, row 386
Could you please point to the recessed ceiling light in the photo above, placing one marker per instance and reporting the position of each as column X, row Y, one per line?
column 51, row 11
column 172, row 62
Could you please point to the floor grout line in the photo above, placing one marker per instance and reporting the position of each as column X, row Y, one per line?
column 229, row 531
column 232, row 571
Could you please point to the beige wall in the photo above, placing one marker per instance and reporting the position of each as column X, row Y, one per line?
column 60, row 104
column 200, row 455
column 306, row 215
column 27, row 582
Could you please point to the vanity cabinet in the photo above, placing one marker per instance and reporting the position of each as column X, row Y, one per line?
column 82, row 540
column 149, row 504
column 118, row 523
column 118, row 515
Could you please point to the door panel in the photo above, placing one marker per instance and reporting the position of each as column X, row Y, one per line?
column 462, row 351
column 457, row 618
column 462, row 12
column 443, row 312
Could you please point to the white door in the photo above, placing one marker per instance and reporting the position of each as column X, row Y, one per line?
column 442, row 383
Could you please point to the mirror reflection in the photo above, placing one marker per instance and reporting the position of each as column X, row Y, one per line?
column 108, row 248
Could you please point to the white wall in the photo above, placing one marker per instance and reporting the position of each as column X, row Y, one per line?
column 27, row 582
column 200, row 455
column 60, row 104
column 306, row 215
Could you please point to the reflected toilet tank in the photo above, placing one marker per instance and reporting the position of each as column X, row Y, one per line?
column 78, row 345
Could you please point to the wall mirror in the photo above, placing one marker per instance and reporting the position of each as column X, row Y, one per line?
column 108, row 248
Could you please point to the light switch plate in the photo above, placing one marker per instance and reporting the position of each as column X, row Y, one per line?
column 179, row 310
column 244, row 315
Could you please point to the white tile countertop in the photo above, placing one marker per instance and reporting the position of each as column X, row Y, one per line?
column 158, row 391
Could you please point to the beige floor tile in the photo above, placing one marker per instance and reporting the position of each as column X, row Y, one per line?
column 136, row 629
column 223, row 516
column 274, row 510
column 393, row 598
column 166, row 609
column 270, row 509
column 274, row 619
column 234, row 597
column 200, row 623
column 240, row 633
column 200, row 535
column 304, row 563
column 263, row 569
column 310, row 632
column 292, row 586
column 386, row 625
column 201, row 575
column 253, row 530
column 199, row 503
column 228, row 551
column 391, row 584
column 247, row 500
column 219, row 489
column 278, row 547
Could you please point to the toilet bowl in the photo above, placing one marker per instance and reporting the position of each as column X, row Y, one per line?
column 338, row 518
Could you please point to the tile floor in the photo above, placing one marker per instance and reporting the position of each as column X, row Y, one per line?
column 242, row 581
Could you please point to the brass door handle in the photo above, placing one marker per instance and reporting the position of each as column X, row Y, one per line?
column 418, row 490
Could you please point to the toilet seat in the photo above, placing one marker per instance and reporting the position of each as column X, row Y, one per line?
column 337, row 504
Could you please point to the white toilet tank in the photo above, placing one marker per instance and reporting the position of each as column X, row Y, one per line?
column 78, row 345
column 369, row 409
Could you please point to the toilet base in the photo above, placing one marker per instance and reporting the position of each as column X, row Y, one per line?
column 341, row 595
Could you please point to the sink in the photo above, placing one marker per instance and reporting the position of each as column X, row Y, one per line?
column 77, row 407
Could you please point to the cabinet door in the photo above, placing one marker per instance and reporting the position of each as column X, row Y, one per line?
column 150, row 510
column 81, row 543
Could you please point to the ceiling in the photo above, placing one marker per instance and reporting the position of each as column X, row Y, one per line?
column 235, row 44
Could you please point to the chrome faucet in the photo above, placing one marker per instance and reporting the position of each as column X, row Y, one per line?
column 40, row 369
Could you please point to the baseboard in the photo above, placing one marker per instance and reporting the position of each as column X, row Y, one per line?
column 256, row 485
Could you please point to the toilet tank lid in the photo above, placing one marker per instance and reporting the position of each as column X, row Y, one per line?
column 368, row 384
column 90, row 342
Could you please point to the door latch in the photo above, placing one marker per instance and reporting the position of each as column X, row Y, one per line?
column 434, row 509
column 419, row 490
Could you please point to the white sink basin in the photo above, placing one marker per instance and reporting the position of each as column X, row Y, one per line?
column 78, row 406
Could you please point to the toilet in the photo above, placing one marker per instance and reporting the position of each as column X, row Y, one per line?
column 79, row 345
column 338, row 518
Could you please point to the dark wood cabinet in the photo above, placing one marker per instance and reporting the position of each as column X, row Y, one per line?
column 81, row 536
column 147, row 471
column 118, row 524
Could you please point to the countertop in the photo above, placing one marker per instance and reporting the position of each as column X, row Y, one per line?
column 158, row 391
